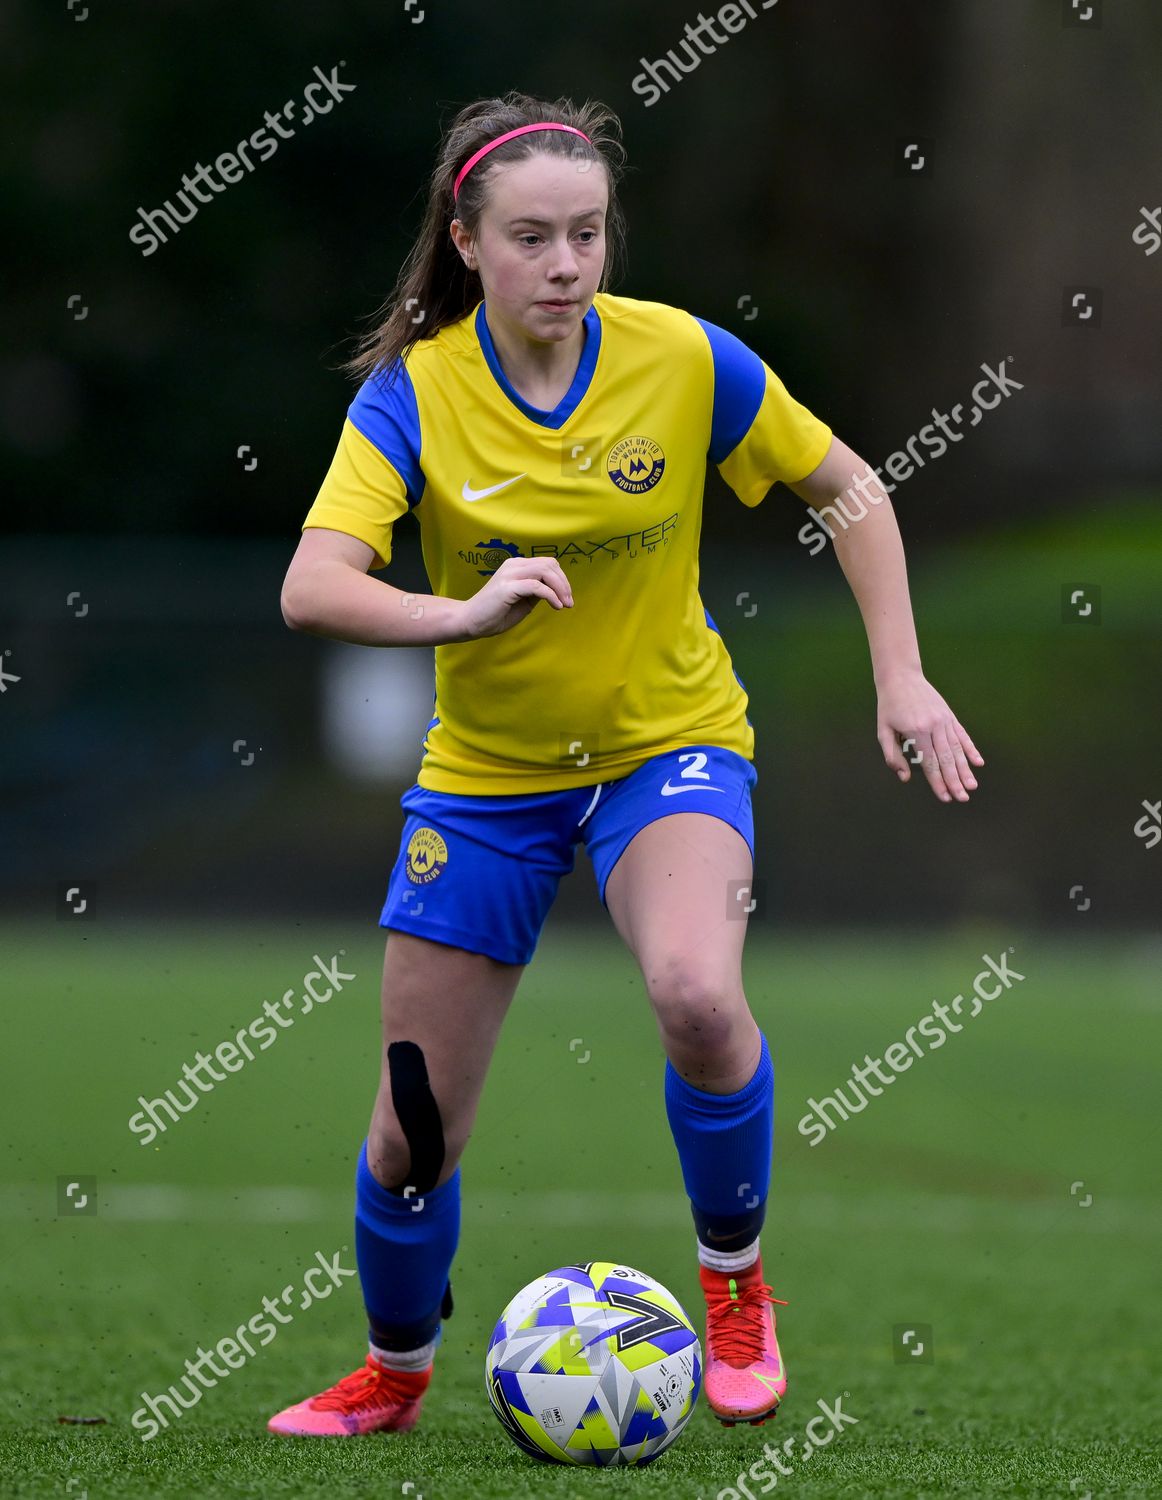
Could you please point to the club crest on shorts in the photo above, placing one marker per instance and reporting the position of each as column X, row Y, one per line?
column 427, row 854
column 635, row 464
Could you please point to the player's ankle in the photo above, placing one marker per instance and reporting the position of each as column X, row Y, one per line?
column 409, row 1361
column 728, row 1262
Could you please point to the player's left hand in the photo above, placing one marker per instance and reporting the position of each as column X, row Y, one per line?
column 910, row 709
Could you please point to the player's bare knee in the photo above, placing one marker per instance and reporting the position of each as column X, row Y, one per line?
column 390, row 1159
column 408, row 1148
column 388, row 1155
column 694, row 1013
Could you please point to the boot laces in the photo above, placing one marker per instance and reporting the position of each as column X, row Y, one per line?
column 360, row 1388
column 738, row 1325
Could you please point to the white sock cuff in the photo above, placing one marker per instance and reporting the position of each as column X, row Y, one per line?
column 404, row 1359
column 734, row 1260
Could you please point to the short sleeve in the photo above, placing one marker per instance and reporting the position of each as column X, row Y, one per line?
column 759, row 433
column 375, row 475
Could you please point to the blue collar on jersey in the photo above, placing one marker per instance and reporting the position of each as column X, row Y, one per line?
column 571, row 398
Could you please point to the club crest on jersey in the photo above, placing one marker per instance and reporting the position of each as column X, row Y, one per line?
column 635, row 464
column 427, row 855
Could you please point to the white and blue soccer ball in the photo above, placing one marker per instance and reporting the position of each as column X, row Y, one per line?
column 594, row 1364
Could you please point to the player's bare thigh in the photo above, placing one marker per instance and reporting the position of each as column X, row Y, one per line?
column 671, row 897
column 450, row 1003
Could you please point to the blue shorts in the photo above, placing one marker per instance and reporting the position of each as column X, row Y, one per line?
column 481, row 872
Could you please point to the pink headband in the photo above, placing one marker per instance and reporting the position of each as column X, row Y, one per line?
column 500, row 140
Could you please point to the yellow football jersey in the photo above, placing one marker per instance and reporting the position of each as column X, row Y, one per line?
column 610, row 483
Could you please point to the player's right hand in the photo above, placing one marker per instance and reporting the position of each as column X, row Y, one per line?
column 512, row 591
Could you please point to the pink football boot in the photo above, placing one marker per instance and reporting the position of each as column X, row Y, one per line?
column 372, row 1399
column 745, row 1377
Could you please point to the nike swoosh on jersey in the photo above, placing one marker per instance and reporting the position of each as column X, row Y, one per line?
column 469, row 494
column 669, row 791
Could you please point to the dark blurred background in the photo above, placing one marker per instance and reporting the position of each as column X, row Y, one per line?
column 168, row 745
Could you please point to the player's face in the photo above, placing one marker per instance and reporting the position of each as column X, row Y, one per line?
column 540, row 249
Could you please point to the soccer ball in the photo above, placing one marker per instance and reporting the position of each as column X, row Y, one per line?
column 593, row 1364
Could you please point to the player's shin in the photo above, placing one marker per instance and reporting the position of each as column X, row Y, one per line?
column 404, row 1245
column 724, row 1145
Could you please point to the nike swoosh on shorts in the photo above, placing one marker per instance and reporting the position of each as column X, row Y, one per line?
column 669, row 791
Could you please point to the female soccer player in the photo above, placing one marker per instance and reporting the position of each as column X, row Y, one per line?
column 552, row 440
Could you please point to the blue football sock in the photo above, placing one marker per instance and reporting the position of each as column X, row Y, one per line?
column 404, row 1255
column 724, row 1145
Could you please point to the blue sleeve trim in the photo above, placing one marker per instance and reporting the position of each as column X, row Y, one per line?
column 740, row 383
column 386, row 413
column 722, row 638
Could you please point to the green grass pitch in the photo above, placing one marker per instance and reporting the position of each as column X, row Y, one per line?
column 1000, row 1193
